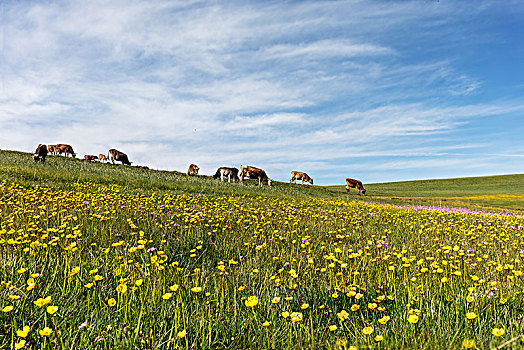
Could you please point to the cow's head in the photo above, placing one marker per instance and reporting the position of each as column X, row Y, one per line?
column 311, row 180
column 269, row 182
column 363, row 191
column 73, row 155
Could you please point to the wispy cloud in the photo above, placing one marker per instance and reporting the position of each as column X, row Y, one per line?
column 382, row 89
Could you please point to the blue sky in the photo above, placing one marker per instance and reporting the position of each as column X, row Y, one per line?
column 374, row 90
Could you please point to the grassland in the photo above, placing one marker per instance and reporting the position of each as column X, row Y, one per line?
column 503, row 191
column 100, row 257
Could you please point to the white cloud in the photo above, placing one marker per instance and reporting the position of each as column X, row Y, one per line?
column 280, row 85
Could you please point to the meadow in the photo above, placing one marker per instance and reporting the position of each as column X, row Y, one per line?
column 98, row 256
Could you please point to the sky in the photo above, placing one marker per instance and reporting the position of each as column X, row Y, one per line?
column 375, row 90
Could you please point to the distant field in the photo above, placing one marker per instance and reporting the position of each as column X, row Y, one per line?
column 504, row 191
column 99, row 256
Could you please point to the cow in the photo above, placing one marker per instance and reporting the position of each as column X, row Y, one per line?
column 64, row 148
column 352, row 183
column 40, row 153
column 252, row 172
column 113, row 154
column 231, row 173
column 51, row 149
column 102, row 158
column 297, row 175
column 90, row 157
column 193, row 169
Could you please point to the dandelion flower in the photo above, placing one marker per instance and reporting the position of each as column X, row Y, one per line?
column 45, row 332
column 498, row 332
column 174, row 287
column 8, row 308
column 196, row 289
column 121, row 288
column 413, row 318
column 276, row 300
column 22, row 333
column 355, row 307
column 343, row 315
column 42, row 301
column 52, row 309
column 367, row 330
column 384, row 319
column 252, row 301
column 167, row 296
column 285, row 314
column 111, row 302
column 182, row 334
column 471, row 315
column 20, row 344
column 296, row 317
column 468, row 343
column 266, row 324
column 379, row 338
column 333, row 328
column 304, row 306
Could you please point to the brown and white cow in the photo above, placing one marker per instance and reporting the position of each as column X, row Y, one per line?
column 252, row 172
column 352, row 183
column 193, row 169
column 65, row 148
column 51, row 149
column 114, row 154
column 90, row 157
column 102, row 158
column 230, row 172
column 298, row 175
column 40, row 153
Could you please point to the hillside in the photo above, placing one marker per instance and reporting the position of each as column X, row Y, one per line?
column 491, row 192
column 99, row 256
column 503, row 191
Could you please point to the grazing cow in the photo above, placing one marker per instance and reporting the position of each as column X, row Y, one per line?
column 40, row 153
column 252, row 172
column 352, row 183
column 113, row 154
column 297, row 175
column 90, row 157
column 102, row 158
column 193, row 169
column 64, row 148
column 51, row 149
column 231, row 173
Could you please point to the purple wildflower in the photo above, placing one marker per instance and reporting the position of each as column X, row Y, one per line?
column 82, row 325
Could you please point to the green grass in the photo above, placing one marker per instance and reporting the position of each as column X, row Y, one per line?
column 503, row 191
column 123, row 248
column 498, row 192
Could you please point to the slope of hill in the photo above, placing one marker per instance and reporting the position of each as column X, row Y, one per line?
column 497, row 192
column 502, row 191
column 119, row 257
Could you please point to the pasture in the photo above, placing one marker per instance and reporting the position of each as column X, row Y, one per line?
column 96, row 256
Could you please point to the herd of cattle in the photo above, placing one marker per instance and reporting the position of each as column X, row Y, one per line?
column 231, row 173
